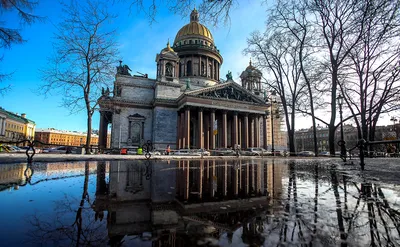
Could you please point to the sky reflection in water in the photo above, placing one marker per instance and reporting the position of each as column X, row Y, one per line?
column 186, row 203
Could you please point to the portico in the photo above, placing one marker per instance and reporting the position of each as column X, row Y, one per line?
column 207, row 120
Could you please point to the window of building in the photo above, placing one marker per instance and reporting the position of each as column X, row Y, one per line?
column 189, row 68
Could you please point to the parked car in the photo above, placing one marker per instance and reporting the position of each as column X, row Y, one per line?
column 37, row 150
column 337, row 153
column 13, row 149
column 306, row 154
column 182, row 152
column 60, row 150
column 324, row 153
column 201, row 152
column 257, row 152
column 225, row 152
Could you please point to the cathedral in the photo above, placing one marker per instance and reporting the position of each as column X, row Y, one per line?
column 187, row 105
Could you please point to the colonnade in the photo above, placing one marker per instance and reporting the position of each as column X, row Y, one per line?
column 210, row 129
column 199, row 66
column 201, row 181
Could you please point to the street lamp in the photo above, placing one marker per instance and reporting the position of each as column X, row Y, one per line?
column 271, row 112
column 394, row 129
column 342, row 142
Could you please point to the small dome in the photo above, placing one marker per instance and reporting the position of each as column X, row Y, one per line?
column 251, row 71
column 194, row 28
column 167, row 49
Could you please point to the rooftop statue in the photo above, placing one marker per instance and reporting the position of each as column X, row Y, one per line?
column 229, row 75
column 123, row 69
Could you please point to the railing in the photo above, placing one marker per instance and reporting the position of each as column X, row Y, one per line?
column 362, row 146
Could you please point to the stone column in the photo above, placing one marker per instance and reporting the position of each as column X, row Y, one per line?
column 240, row 141
column 224, row 130
column 207, row 68
column 251, row 133
column 265, row 131
column 206, row 131
column 200, row 140
column 192, row 62
column 102, row 141
column 235, row 129
column 212, row 136
column 187, row 128
column 246, row 131
column 256, row 132
column 178, row 132
column 182, row 130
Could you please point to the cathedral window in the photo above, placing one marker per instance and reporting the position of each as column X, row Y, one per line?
column 189, row 68
column 203, row 72
column 190, row 41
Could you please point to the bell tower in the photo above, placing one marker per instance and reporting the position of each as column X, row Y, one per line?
column 251, row 79
column 167, row 65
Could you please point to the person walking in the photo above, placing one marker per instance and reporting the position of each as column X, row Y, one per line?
column 168, row 150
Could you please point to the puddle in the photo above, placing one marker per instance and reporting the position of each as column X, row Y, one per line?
column 189, row 203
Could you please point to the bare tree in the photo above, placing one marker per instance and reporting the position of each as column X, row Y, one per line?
column 372, row 84
column 339, row 25
column 290, row 18
column 277, row 54
column 84, row 54
column 212, row 11
column 10, row 36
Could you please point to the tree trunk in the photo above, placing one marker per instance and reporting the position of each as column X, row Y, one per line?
column 292, row 148
column 89, row 133
column 331, row 125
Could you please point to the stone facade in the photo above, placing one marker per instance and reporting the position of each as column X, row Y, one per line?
column 187, row 105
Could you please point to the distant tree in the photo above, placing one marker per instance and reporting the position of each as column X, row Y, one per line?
column 10, row 36
column 212, row 11
column 85, row 53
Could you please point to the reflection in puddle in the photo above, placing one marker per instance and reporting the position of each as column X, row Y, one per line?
column 187, row 203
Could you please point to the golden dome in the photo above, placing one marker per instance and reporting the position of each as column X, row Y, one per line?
column 168, row 48
column 194, row 28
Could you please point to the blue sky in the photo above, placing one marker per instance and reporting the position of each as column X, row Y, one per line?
column 139, row 43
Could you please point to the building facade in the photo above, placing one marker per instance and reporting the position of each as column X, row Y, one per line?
column 64, row 137
column 305, row 138
column 187, row 105
column 15, row 127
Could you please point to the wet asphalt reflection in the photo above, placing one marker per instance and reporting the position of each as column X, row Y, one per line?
column 195, row 203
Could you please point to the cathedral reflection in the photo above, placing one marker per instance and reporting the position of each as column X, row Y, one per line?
column 186, row 200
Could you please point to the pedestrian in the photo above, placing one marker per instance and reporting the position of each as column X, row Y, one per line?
column 168, row 150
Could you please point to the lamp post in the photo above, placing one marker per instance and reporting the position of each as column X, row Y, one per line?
column 342, row 142
column 271, row 112
column 394, row 129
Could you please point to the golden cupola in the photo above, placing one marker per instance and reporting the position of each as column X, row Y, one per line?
column 200, row 60
column 194, row 30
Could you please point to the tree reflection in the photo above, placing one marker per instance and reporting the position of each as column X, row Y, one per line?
column 84, row 230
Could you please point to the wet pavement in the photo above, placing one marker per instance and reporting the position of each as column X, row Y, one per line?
column 256, row 202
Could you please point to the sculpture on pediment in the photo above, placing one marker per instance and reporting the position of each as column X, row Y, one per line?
column 229, row 93
column 123, row 69
column 105, row 92
column 229, row 75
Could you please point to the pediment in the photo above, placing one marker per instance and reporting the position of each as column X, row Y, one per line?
column 230, row 91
